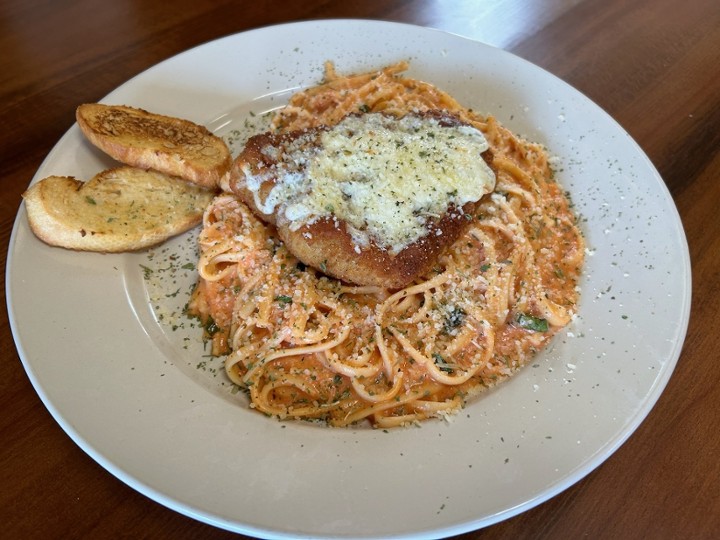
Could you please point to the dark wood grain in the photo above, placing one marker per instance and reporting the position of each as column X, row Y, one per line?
column 651, row 64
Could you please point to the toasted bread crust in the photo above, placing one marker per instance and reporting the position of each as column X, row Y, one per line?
column 142, row 139
column 123, row 209
column 326, row 243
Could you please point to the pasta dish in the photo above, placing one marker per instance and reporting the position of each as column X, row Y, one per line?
column 306, row 345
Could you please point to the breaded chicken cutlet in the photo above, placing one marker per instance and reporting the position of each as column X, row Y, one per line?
column 374, row 200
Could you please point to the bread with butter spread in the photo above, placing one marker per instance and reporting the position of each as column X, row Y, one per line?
column 139, row 138
column 121, row 209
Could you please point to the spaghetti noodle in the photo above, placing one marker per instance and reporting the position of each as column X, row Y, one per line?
column 307, row 346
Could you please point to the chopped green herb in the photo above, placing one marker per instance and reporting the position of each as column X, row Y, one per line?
column 455, row 317
column 441, row 363
column 485, row 267
column 530, row 322
column 284, row 299
column 90, row 200
column 211, row 328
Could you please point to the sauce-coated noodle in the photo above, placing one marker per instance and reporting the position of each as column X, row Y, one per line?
column 308, row 346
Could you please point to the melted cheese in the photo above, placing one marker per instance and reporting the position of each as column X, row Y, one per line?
column 386, row 178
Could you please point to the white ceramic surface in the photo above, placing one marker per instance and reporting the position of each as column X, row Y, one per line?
column 124, row 373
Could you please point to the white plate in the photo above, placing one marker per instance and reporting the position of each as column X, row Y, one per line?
column 139, row 397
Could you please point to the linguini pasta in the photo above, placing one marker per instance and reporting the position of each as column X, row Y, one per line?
column 308, row 346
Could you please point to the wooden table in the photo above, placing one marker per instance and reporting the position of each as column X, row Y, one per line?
column 652, row 64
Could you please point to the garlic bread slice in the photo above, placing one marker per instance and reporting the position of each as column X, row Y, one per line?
column 121, row 209
column 152, row 141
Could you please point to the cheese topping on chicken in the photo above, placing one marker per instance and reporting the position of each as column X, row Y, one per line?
column 386, row 178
